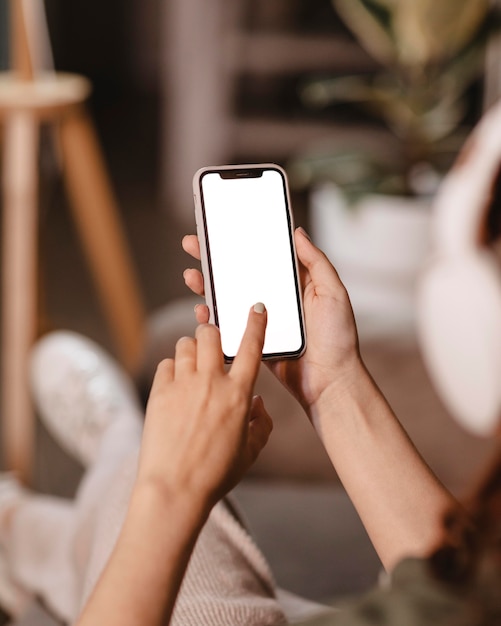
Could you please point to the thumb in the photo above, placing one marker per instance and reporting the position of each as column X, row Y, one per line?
column 260, row 427
column 320, row 270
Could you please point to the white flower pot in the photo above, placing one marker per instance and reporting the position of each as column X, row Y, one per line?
column 379, row 247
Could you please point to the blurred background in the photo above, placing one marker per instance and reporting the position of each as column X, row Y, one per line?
column 366, row 109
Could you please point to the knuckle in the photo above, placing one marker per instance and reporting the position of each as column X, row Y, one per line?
column 208, row 330
column 208, row 385
column 164, row 365
column 184, row 340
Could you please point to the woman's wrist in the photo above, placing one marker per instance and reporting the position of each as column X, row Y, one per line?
column 350, row 405
column 348, row 383
column 154, row 495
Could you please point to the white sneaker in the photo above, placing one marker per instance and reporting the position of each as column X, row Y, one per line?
column 79, row 390
column 14, row 599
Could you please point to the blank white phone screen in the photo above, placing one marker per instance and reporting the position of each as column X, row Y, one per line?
column 249, row 245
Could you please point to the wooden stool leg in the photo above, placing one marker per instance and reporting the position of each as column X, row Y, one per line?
column 97, row 217
column 19, row 288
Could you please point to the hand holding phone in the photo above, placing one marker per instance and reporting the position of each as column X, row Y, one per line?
column 332, row 356
column 246, row 234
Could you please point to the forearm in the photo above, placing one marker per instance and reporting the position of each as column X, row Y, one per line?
column 201, row 433
column 398, row 498
column 142, row 578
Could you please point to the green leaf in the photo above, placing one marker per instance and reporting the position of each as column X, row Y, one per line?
column 324, row 92
column 413, row 33
column 370, row 21
column 356, row 172
column 427, row 31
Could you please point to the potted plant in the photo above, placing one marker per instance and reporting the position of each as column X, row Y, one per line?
column 375, row 197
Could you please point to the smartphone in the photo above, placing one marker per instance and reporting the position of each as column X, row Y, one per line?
column 246, row 234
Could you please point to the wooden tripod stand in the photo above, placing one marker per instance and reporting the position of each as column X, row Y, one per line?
column 28, row 99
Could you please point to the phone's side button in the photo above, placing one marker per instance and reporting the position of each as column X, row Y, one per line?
column 195, row 201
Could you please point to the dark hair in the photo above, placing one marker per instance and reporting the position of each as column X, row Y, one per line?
column 469, row 559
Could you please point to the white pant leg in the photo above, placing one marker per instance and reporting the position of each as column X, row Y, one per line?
column 102, row 501
column 51, row 539
column 106, row 525
column 40, row 551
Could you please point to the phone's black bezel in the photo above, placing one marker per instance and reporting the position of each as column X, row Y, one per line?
column 257, row 171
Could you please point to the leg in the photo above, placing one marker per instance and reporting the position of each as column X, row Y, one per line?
column 91, row 408
column 48, row 542
column 39, row 544
column 102, row 502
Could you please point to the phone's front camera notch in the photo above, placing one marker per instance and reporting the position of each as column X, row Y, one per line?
column 239, row 173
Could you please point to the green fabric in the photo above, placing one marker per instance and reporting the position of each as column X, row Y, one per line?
column 415, row 598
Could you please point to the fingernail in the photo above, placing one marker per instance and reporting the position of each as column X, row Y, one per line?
column 259, row 307
column 303, row 232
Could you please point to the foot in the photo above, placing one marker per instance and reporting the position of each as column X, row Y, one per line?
column 79, row 390
column 14, row 599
